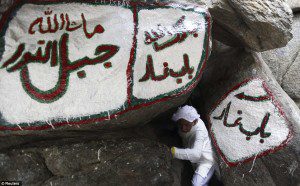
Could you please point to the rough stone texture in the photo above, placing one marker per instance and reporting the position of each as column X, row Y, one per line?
column 291, row 79
column 294, row 4
column 4, row 5
column 113, row 158
column 285, row 63
column 120, row 161
column 279, row 168
column 253, row 21
column 249, row 23
column 23, row 165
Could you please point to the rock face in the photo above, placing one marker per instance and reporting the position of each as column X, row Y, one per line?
column 253, row 21
column 254, row 124
column 116, row 70
column 242, row 126
column 113, row 158
column 27, row 166
column 4, row 5
column 133, row 156
column 294, row 4
column 285, row 63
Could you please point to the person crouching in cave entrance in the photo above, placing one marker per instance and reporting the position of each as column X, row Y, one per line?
column 198, row 149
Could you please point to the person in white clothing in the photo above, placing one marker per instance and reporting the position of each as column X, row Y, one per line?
column 198, row 149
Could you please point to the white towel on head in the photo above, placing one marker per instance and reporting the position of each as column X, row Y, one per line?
column 186, row 112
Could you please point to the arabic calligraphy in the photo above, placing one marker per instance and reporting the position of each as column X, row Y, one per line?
column 259, row 130
column 57, row 53
column 243, row 96
column 51, row 76
column 150, row 73
column 53, row 25
column 248, row 122
column 177, row 31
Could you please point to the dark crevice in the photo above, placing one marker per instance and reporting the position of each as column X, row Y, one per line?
column 45, row 164
column 293, row 60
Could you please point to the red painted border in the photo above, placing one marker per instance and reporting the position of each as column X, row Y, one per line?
column 130, row 108
column 264, row 153
column 132, row 56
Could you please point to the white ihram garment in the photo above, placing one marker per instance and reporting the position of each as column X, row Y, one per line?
column 198, row 151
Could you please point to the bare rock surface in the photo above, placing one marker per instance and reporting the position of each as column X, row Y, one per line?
column 253, row 21
column 26, row 166
column 127, row 157
column 285, row 62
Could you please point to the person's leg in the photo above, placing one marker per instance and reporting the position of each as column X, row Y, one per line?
column 199, row 180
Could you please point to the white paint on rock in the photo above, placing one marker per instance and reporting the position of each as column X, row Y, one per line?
column 173, row 55
column 230, row 141
column 102, row 89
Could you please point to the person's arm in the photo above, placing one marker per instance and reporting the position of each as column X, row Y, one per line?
column 192, row 154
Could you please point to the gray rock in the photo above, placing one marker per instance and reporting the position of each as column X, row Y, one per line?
column 106, row 160
column 297, row 101
column 23, row 165
column 294, row 4
column 253, row 21
column 291, row 79
column 5, row 4
column 109, row 162
column 285, row 62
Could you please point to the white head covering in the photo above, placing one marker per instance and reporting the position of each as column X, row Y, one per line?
column 186, row 112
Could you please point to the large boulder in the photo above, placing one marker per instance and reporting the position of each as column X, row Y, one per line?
column 254, row 124
column 259, row 24
column 129, row 160
column 65, row 67
column 285, row 63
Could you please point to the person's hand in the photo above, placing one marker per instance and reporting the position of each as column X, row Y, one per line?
column 173, row 151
